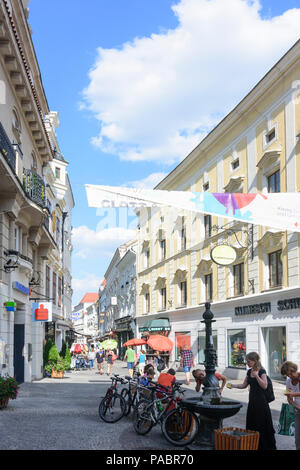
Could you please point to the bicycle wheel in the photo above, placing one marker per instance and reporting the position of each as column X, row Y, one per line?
column 180, row 426
column 142, row 419
column 112, row 408
column 126, row 396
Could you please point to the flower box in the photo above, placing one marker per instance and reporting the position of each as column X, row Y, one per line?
column 57, row 374
column 4, row 402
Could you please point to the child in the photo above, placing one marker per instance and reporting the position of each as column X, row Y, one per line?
column 167, row 379
column 199, row 375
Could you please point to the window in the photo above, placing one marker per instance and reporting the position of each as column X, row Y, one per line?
column 238, row 276
column 147, row 302
column 236, row 348
column 54, row 288
column 270, row 136
column 206, row 186
column 57, row 172
column 183, row 239
column 47, row 293
column 275, row 269
column 16, row 239
column 59, row 296
column 207, row 226
column 274, row 182
column 163, row 298
column 183, row 293
column 202, row 346
column 235, row 164
column 162, row 249
column 57, row 231
column 147, row 258
column 182, row 338
column 16, row 126
column 208, row 286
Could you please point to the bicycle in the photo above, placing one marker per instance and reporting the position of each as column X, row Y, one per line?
column 178, row 424
column 131, row 394
column 112, row 407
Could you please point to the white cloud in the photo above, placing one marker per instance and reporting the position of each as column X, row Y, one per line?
column 99, row 243
column 149, row 182
column 158, row 96
column 87, row 283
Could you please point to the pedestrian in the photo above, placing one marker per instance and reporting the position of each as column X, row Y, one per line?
column 187, row 361
column 259, row 416
column 109, row 361
column 159, row 362
column 130, row 356
column 91, row 357
column 199, row 376
column 142, row 361
column 290, row 370
column 100, row 357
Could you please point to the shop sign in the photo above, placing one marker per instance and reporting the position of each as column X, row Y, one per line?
column 224, row 255
column 288, row 304
column 252, row 309
column 42, row 311
column 18, row 286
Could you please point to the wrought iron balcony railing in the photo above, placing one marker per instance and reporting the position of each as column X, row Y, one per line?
column 6, row 149
column 34, row 187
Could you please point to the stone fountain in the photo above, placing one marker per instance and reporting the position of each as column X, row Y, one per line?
column 210, row 407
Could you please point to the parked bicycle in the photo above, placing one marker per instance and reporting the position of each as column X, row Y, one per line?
column 178, row 424
column 112, row 407
column 132, row 394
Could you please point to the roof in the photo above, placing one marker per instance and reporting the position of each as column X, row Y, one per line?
column 89, row 297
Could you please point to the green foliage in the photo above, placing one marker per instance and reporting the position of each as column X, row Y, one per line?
column 63, row 349
column 67, row 359
column 53, row 354
column 8, row 387
column 47, row 348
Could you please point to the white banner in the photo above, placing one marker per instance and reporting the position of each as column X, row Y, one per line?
column 276, row 210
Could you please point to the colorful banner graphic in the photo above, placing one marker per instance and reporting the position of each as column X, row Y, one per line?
column 276, row 210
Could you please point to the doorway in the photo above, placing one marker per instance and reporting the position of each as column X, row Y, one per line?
column 19, row 341
column 275, row 346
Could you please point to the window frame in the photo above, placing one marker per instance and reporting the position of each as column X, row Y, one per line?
column 239, row 275
column 278, row 274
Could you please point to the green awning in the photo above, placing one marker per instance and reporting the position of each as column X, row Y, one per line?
column 157, row 324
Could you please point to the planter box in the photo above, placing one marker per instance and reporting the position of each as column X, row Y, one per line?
column 3, row 402
column 236, row 439
column 57, row 374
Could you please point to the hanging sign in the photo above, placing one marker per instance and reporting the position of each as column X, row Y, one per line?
column 277, row 210
column 10, row 306
column 224, row 255
column 42, row 311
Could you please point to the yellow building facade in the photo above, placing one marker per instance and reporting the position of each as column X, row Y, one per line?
column 256, row 300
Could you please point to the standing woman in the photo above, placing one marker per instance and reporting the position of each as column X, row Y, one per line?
column 109, row 361
column 259, row 416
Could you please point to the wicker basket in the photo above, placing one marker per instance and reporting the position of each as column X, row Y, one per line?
column 57, row 374
column 236, row 439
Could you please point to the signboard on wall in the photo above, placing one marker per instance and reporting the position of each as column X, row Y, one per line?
column 42, row 311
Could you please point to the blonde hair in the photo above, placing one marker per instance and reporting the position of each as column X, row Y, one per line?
column 287, row 367
column 253, row 356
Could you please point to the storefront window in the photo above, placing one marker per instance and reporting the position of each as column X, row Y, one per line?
column 182, row 338
column 201, row 345
column 275, row 347
column 236, row 348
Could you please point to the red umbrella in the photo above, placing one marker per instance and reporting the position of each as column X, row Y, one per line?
column 135, row 342
column 160, row 343
column 77, row 349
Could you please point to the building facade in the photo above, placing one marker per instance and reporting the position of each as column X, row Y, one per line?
column 256, row 299
column 36, row 205
column 85, row 318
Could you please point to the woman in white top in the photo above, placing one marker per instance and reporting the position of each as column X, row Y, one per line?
column 290, row 371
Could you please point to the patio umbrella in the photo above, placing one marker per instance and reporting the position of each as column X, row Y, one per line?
column 160, row 343
column 77, row 349
column 135, row 342
column 183, row 340
column 109, row 344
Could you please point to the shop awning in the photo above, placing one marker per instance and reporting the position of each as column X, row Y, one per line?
column 157, row 324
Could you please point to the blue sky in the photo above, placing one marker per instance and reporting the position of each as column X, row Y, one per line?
column 137, row 84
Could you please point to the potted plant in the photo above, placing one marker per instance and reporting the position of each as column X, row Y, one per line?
column 56, row 364
column 8, row 390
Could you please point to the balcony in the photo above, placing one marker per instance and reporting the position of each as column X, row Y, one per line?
column 34, row 187
column 6, row 149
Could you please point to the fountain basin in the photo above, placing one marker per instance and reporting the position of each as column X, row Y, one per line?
column 224, row 409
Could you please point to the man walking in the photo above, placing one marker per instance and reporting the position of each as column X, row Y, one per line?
column 100, row 360
column 187, row 361
column 130, row 356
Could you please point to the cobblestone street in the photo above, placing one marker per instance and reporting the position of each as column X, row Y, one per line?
column 62, row 414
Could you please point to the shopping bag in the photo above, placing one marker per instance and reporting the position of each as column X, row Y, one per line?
column 286, row 425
